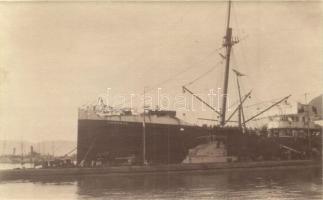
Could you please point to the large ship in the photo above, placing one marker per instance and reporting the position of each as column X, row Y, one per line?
column 107, row 136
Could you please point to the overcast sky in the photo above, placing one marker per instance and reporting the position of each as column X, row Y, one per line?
column 55, row 57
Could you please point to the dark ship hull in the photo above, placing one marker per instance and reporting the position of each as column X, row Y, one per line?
column 112, row 140
column 117, row 142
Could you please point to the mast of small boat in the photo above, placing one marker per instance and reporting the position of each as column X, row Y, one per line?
column 144, row 161
column 308, row 126
column 227, row 44
column 22, row 154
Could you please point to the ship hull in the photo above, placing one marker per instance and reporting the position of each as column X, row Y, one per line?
column 114, row 139
column 175, row 168
column 121, row 143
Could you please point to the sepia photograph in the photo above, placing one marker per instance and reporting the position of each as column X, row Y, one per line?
column 165, row 100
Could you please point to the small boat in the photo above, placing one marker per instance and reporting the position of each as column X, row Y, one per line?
column 29, row 174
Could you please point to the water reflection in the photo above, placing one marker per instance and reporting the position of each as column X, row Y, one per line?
column 238, row 184
column 261, row 184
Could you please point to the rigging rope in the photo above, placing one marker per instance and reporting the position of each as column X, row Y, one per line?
column 204, row 74
column 262, row 102
column 184, row 71
column 71, row 151
column 177, row 74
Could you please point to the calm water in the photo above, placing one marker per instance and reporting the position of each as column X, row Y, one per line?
column 260, row 184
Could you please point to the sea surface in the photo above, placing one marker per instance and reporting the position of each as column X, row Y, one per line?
column 300, row 183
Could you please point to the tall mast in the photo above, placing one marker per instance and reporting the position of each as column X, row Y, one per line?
column 227, row 44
